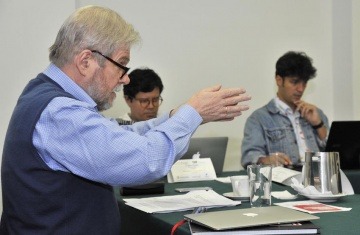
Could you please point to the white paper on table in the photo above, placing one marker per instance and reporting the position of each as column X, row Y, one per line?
column 283, row 195
column 186, row 170
column 308, row 190
column 225, row 180
column 297, row 185
column 312, row 207
column 279, row 174
column 283, row 175
column 188, row 201
column 346, row 185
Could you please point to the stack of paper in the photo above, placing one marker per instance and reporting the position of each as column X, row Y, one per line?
column 189, row 201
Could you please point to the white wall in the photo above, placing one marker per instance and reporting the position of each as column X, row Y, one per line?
column 194, row 44
column 355, row 23
column 27, row 30
column 342, row 48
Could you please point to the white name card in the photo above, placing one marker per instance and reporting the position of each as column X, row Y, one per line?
column 192, row 170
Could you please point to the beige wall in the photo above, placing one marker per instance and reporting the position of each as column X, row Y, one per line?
column 193, row 44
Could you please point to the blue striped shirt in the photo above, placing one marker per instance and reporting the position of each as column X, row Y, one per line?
column 72, row 136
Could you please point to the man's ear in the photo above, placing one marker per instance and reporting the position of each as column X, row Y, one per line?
column 279, row 80
column 84, row 61
column 128, row 100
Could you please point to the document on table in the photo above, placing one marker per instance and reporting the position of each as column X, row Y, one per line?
column 188, row 201
column 283, row 175
column 312, row 207
column 280, row 175
column 225, row 180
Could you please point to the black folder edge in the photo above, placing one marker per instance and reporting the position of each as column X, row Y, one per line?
column 157, row 187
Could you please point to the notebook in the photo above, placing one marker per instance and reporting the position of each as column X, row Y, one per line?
column 209, row 147
column 344, row 137
column 249, row 217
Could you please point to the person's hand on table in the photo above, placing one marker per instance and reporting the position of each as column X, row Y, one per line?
column 276, row 159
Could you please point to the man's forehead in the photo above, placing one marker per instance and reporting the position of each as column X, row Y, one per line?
column 292, row 78
column 151, row 94
column 296, row 79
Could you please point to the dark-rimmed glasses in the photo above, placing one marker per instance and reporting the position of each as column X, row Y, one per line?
column 124, row 68
column 156, row 102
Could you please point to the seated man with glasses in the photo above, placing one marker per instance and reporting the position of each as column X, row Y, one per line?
column 142, row 95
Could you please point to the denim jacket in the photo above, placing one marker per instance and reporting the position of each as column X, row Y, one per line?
column 267, row 131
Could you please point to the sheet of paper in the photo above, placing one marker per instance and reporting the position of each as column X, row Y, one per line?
column 281, row 174
column 225, row 180
column 188, row 201
column 283, row 195
column 312, row 207
column 192, row 170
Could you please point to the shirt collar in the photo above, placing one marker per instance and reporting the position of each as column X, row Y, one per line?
column 284, row 108
column 58, row 76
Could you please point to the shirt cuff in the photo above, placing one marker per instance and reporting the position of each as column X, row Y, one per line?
column 188, row 113
column 322, row 143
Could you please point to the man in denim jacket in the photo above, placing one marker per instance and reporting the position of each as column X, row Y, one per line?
column 284, row 129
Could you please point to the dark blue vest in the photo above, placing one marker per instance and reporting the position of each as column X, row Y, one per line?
column 37, row 199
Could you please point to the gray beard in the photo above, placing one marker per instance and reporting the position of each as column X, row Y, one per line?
column 104, row 104
column 103, row 107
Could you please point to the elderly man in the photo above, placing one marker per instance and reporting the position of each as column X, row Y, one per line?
column 61, row 157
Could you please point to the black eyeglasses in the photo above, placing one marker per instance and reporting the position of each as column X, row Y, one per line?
column 124, row 68
column 156, row 102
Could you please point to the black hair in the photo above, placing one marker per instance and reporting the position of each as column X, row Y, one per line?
column 142, row 80
column 295, row 64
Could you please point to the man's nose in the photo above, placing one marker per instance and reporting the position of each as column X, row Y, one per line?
column 124, row 80
column 300, row 87
column 151, row 104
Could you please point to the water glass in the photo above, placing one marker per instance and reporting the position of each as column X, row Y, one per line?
column 260, row 185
